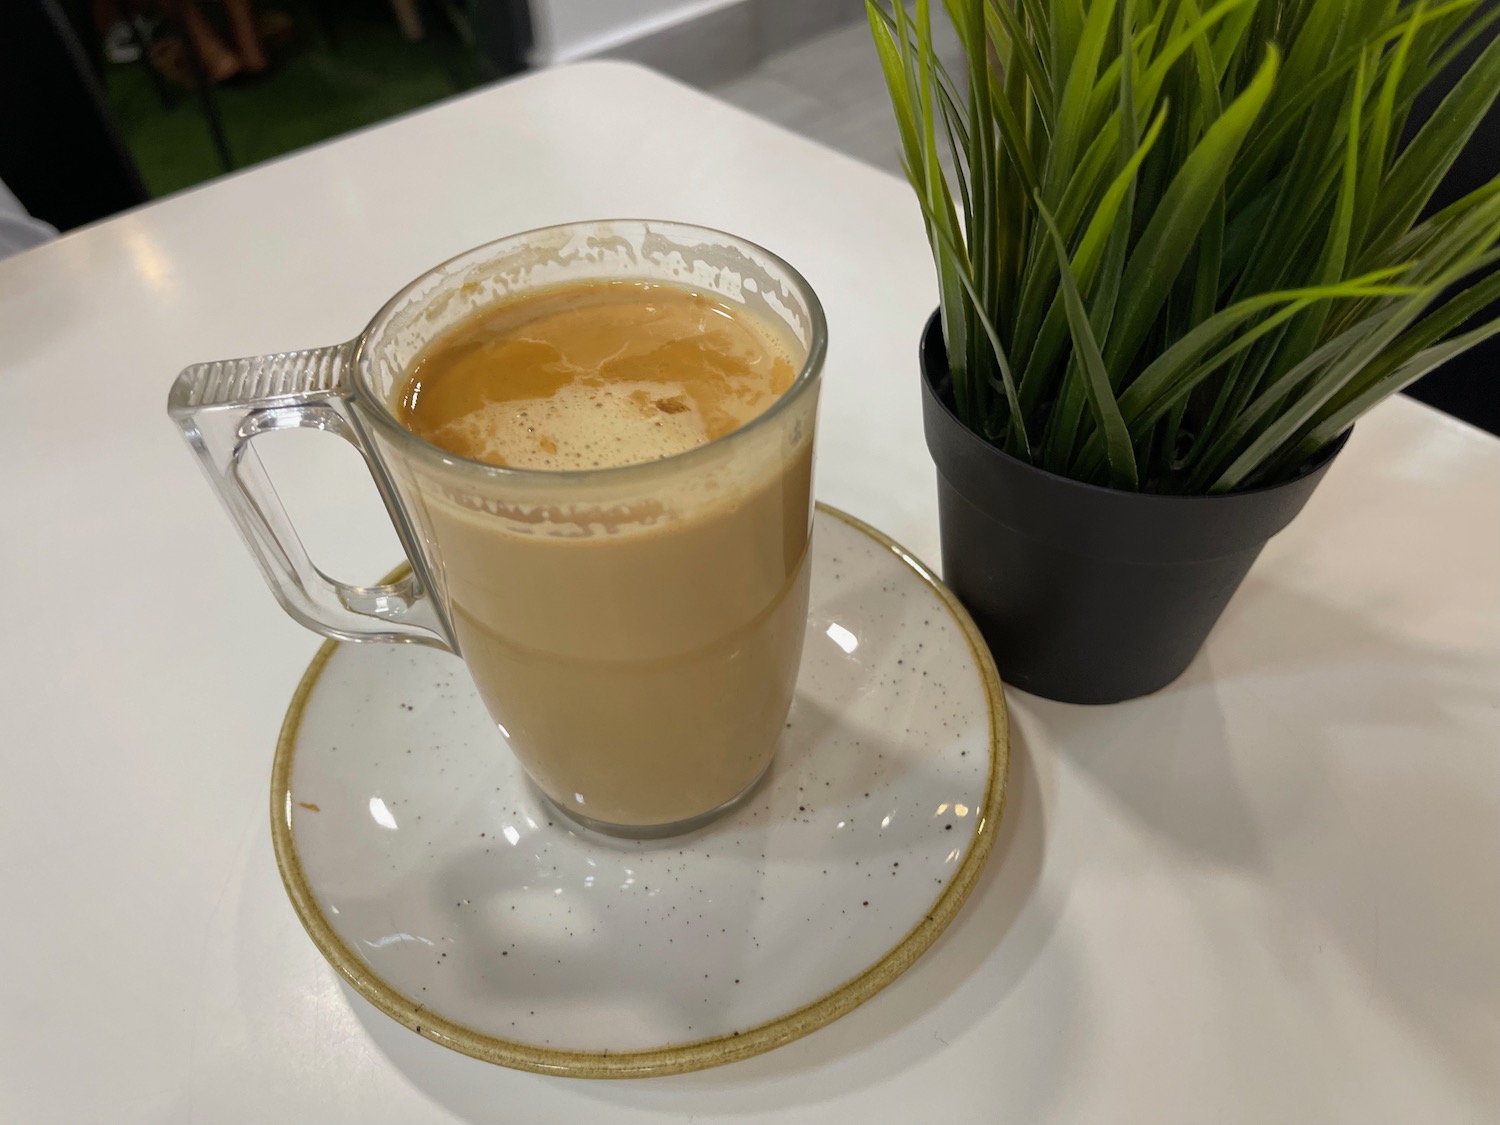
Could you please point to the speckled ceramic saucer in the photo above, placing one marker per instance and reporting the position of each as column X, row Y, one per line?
column 438, row 882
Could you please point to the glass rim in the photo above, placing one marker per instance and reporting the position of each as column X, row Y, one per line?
column 382, row 413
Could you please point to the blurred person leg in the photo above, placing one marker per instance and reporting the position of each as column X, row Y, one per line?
column 219, row 62
column 243, row 27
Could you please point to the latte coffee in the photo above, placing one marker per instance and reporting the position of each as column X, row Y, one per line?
column 636, row 645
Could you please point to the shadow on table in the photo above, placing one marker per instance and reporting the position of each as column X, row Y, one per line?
column 1298, row 759
column 1298, row 667
column 863, row 1049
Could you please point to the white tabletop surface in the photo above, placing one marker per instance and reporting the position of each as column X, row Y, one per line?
column 1270, row 892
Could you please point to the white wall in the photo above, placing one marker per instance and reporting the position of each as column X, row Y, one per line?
column 573, row 29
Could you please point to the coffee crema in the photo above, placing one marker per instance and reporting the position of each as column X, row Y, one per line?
column 594, row 375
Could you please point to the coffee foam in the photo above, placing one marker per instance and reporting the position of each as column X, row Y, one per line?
column 595, row 376
column 581, row 426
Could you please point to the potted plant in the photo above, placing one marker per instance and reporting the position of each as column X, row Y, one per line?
column 1179, row 253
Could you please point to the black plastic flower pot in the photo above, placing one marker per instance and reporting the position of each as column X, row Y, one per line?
column 1087, row 594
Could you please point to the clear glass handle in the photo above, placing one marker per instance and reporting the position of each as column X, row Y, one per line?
column 221, row 407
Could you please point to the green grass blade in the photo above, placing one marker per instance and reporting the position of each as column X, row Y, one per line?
column 1181, row 368
column 892, row 38
column 1038, row 335
column 1474, row 26
column 1164, row 379
column 1003, row 27
column 883, row 32
column 1118, row 449
column 958, row 145
column 1303, row 199
column 1245, row 229
column 1268, row 141
column 1317, row 41
column 1119, row 217
column 1418, row 242
column 1304, row 335
column 1335, row 421
column 958, row 139
column 1068, row 138
column 1111, row 216
column 1017, row 148
column 1204, row 67
column 1106, row 94
column 1375, row 159
column 1007, row 377
column 1103, row 248
column 1426, row 159
column 1067, row 19
column 1167, row 239
column 937, row 194
column 1438, row 43
column 1229, row 37
column 986, row 231
column 1402, row 377
column 1323, row 372
column 1039, row 14
column 1449, row 316
column 1180, row 43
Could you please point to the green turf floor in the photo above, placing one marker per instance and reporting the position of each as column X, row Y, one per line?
column 311, row 93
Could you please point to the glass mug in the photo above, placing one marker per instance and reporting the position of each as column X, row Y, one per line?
column 634, row 632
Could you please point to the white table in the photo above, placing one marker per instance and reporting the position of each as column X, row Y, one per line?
column 1269, row 893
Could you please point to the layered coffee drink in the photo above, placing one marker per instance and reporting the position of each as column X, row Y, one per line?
column 636, row 643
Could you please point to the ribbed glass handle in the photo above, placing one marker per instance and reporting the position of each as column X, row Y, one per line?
column 221, row 407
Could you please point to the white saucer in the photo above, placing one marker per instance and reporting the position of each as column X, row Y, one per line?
column 439, row 883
